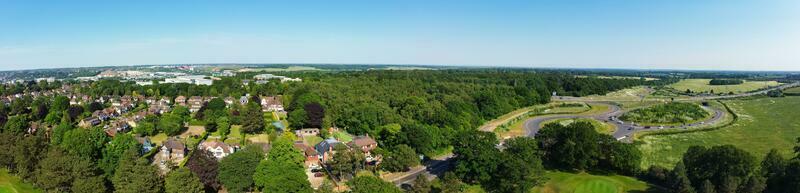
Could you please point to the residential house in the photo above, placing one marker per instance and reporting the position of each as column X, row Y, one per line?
column 180, row 100
column 217, row 148
column 311, row 155
column 147, row 145
column 195, row 103
column 243, row 100
column 272, row 104
column 327, row 148
column 173, row 150
column 228, row 101
column 89, row 122
column 364, row 143
column 306, row 132
column 118, row 126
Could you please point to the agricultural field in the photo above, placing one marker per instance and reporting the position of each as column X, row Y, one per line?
column 702, row 85
column 667, row 114
column 795, row 90
column 764, row 123
column 599, row 126
column 12, row 184
column 562, row 182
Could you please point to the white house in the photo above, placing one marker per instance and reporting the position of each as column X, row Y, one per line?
column 217, row 148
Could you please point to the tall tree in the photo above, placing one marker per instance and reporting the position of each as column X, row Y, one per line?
column 236, row 170
column 283, row 169
column 136, row 175
column 58, row 171
column 182, row 180
column 707, row 187
column 253, row 121
column 371, row 184
column 402, row 158
column 205, row 166
column 477, row 157
column 421, row 185
column 114, row 150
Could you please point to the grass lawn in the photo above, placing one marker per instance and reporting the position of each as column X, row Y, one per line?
column 159, row 138
column 235, row 136
column 312, row 140
column 343, row 136
column 600, row 127
column 701, row 85
column 12, row 184
column 259, row 138
column 562, row 182
column 763, row 124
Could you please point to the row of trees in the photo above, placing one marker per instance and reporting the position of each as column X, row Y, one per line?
column 725, row 81
column 727, row 169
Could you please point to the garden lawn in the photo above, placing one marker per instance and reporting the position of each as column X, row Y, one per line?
column 701, row 85
column 764, row 123
column 12, row 184
column 235, row 136
column 562, row 182
column 159, row 138
column 343, row 136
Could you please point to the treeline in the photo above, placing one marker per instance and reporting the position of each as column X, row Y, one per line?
column 519, row 163
column 430, row 106
column 725, row 81
column 727, row 169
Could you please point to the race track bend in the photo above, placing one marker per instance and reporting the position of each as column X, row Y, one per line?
column 437, row 166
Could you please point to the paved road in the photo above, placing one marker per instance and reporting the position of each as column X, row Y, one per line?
column 437, row 167
column 623, row 129
column 432, row 169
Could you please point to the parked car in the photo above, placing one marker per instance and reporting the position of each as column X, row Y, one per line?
column 318, row 174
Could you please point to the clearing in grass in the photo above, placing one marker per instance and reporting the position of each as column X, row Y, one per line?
column 763, row 124
column 600, row 127
column 12, row 184
column 563, row 182
column 669, row 113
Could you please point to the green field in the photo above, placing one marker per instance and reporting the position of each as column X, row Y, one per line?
column 600, row 127
column 795, row 90
column 701, row 85
column 12, row 184
column 667, row 114
column 562, row 182
column 764, row 123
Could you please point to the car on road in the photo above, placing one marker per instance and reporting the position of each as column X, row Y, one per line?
column 630, row 128
column 646, row 127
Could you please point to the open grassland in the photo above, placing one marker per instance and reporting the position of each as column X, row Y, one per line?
column 795, row 90
column 600, row 127
column 667, row 114
column 702, row 85
column 562, row 182
column 764, row 123
column 12, row 184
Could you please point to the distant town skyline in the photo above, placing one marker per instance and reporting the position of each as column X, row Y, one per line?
column 679, row 34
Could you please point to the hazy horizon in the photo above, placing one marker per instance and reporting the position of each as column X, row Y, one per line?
column 620, row 34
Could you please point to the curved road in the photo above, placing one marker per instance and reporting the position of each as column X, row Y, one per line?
column 623, row 129
column 438, row 166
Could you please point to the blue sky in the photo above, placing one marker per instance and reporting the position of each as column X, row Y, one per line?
column 668, row 34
